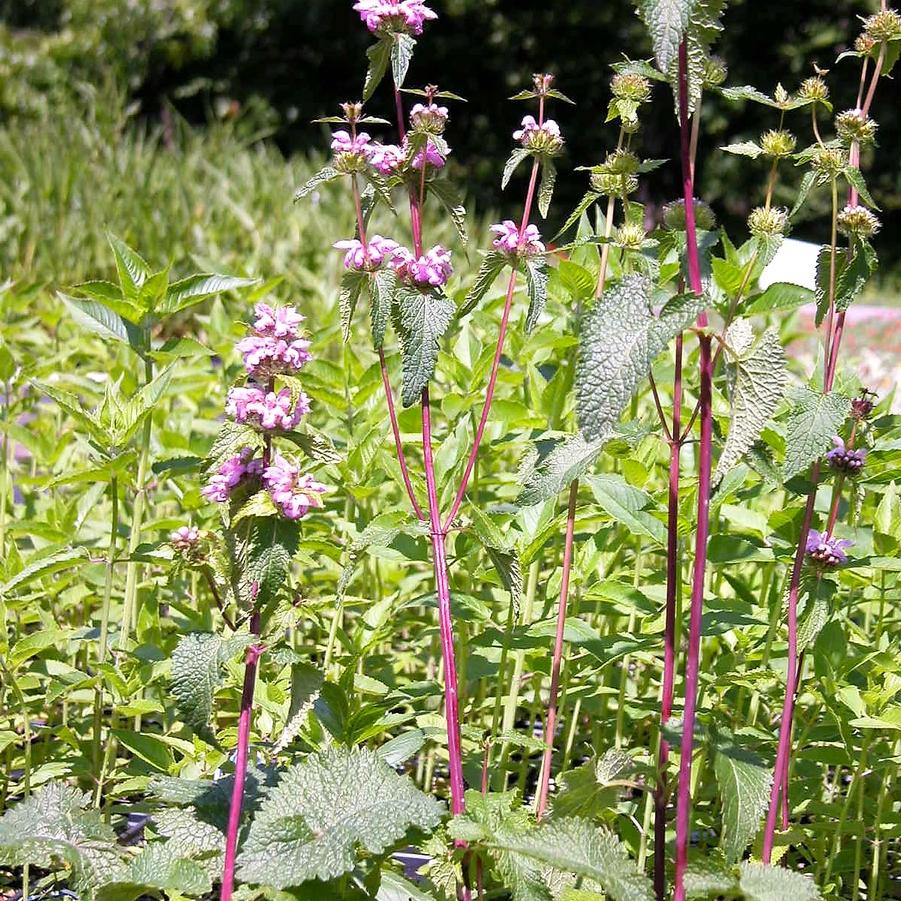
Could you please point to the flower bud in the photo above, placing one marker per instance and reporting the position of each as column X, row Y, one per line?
column 857, row 221
column 715, row 72
column 767, row 223
column 862, row 407
column 674, row 215
column 855, row 126
column 622, row 162
column 778, row 143
column 630, row 86
column 630, row 236
column 611, row 185
column 542, row 83
column 828, row 162
column 813, row 89
column 883, row 26
column 844, row 459
column 352, row 111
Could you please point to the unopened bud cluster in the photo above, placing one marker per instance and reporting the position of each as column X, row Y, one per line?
column 767, row 222
column 674, row 215
column 814, row 89
column 778, row 143
column 847, row 460
column 854, row 126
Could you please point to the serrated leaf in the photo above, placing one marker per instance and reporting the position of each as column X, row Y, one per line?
column 56, row 826
column 198, row 665
column 760, row 882
column 666, row 21
column 421, row 319
column 515, row 158
column 500, row 552
column 323, row 176
column 587, row 790
column 352, row 282
column 311, row 824
column 566, row 461
column 744, row 782
column 807, row 182
column 271, row 545
column 758, row 377
column 449, row 197
column 402, row 47
column 583, row 205
column 382, row 288
column 619, row 342
column 855, row 274
column 378, row 54
column 231, row 439
column 306, row 682
column 158, row 868
column 744, row 148
column 315, row 445
column 710, row 876
column 813, row 421
column 490, row 268
column 626, row 504
column 854, row 178
column 536, row 287
column 546, row 187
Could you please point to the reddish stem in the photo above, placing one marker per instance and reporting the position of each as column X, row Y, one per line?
column 683, row 806
column 669, row 632
column 550, row 726
column 237, row 800
column 451, row 711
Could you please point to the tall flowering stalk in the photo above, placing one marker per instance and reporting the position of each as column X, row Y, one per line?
column 257, row 481
column 854, row 127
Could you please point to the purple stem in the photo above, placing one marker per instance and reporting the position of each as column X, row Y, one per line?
column 669, row 632
column 550, row 727
column 237, row 801
column 683, row 805
column 451, row 709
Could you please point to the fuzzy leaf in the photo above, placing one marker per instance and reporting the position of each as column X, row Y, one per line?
column 666, row 21
column 744, row 783
column 270, row 548
column 744, row 148
column 158, row 868
column 760, row 882
column 379, row 55
column 449, row 197
column 198, row 663
column 311, row 824
column 536, row 286
column 382, row 288
column 500, row 551
column 421, row 318
column 546, row 187
column 402, row 47
column 586, row 791
column 56, row 826
column 758, row 376
column 324, row 175
column 516, row 157
column 490, row 268
column 566, row 461
column 620, row 340
column 813, row 421
column 352, row 282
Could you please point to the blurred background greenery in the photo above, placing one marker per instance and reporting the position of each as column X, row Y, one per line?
column 162, row 118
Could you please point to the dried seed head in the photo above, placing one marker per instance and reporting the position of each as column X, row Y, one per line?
column 813, row 88
column 778, row 143
column 766, row 223
column 715, row 72
column 883, row 26
column 674, row 215
column 611, row 185
column 853, row 125
column 862, row 407
column 858, row 221
column 630, row 236
column 828, row 161
column 630, row 86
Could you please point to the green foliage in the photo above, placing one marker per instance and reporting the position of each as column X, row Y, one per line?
column 744, row 781
column 813, row 421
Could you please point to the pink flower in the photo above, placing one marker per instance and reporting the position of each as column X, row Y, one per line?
column 366, row 257
column 276, row 322
column 266, row 410
column 342, row 142
column 231, row 474
column 434, row 268
column 185, row 538
column 510, row 241
column 826, row 550
column 293, row 492
column 394, row 15
column 265, row 356
column 431, row 118
column 430, row 155
column 386, row 158
column 544, row 138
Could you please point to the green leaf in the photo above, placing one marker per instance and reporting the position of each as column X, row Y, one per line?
column 813, row 421
column 449, row 197
column 310, row 825
column 546, row 187
column 382, row 288
column 490, row 268
column 402, row 48
column 500, row 551
column 620, row 340
column 744, row 782
column 158, row 868
column 779, row 296
column 807, row 183
column 394, row 887
column 593, row 788
column 516, row 157
column 46, row 565
column 271, row 546
column 421, row 319
column 576, row 846
column 56, row 825
column 583, row 205
column 132, row 269
column 74, row 407
column 323, row 176
column 96, row 317
column 199, row 287
column 567, row 460
column 758, row 378
column 352, row 283
column 744, row 148
column 666, row 21
column 378, row 54
column 536, row 286
column 626, row 504
column 760, row 882
column 854, row 276
column 198, row 666
column 855, row 179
